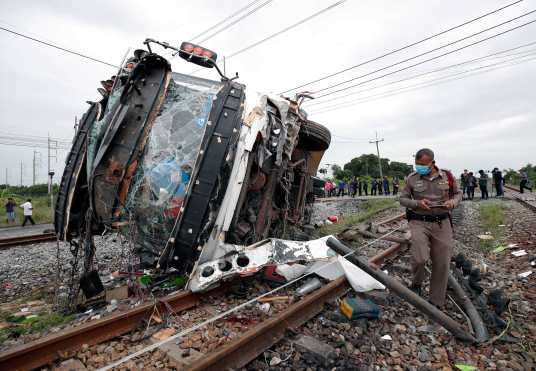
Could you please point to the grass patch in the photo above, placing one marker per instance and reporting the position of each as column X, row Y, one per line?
column 22, row 325
column 365, row 211
column 491, row 216
column 42, row 212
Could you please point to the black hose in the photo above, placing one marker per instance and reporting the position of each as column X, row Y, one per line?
column 402, row 291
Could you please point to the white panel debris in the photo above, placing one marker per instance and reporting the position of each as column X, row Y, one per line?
column 245, row 260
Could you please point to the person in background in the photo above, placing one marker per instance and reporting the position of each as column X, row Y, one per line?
column 328, row 186
column 10, row 210
column 28, row 212
column 483, row 185
column 379, row 186
column 353, row 186
column 360, row 186
column 396, row 185
column 463, row 182
column 335, row 187
column 365, row 186
column 471, row 185
column 341, row 187
column 373, row 187
column 386, row 189
column 498, row 181
column 524, row 184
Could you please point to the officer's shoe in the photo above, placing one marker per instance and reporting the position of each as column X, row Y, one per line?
column 417, row 289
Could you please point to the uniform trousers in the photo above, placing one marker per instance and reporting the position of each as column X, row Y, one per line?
column 432, row 240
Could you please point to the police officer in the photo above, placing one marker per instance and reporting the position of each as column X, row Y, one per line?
column 429, row 195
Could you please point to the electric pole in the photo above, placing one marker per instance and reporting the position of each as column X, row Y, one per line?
column 50, row 156
column 378, row 152
column 21, row 173
column 33, row 172
column 6, row 177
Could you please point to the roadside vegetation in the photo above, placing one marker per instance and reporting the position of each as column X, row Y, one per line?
column 15, row 326
column 512, row 176
column 365, row 211
column 492, row 217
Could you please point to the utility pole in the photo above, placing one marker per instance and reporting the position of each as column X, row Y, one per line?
column 21, row 173
column 50, row 156
column 378, row 152
column 33, row 172
column 6, row 177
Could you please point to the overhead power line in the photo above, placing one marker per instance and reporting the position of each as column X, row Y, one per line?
column 32, row 145
column 433, row 50
column 419, row 63
column 401, row 48
column 231, row 16
column 32, row 137
column 288, row 28
column 253, row 11
column 57, row 47
column 440, row 80
column 499, row 53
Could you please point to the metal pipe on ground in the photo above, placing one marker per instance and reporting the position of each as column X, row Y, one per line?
column 405, row 293
column 481, row 332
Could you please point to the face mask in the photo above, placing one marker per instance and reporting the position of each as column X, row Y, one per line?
column 422, row 169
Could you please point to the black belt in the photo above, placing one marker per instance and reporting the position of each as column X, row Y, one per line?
column 411, row 215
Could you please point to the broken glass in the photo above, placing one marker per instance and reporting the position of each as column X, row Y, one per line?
column 160, row 183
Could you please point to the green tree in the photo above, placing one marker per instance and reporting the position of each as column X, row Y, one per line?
column 367, row 165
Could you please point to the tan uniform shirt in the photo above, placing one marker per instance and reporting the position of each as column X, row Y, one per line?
column 435, row 190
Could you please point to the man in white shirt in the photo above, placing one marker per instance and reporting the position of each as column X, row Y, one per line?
column 28, row 211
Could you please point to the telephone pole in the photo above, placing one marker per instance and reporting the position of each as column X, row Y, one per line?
column 52, row 145
column 376, row 141
column 34, row 163
column 21, row 173
column 6, row 177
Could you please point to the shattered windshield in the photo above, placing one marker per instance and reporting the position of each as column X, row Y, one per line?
column 159, row 186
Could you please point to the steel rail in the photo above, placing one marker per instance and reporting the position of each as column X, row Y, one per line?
column 239, row 352
column 393, row 219
column 6, row 243
column 251, row 344
column 531, row 204
column 47, row 349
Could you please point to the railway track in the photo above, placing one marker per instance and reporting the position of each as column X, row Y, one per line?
column 236, row 353
column 6, row 243
column 527, row 199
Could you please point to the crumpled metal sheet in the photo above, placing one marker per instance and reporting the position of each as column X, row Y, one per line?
column 269, row 252
column 99, row 128
column 162, row 177
column 254, row 122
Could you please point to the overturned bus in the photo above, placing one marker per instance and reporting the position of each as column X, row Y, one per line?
column 191, row 170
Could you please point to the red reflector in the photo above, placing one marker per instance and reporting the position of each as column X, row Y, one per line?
column 198, row 51
column 207, row 53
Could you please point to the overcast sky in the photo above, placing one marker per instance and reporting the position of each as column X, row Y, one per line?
column 480, row 121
